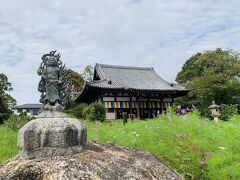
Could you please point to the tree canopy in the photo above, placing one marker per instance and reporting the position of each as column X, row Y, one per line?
column 5, row 88
column 75, row 83
column 88, row 73
column 212, row 75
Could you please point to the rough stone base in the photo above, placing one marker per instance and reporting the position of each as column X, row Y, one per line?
column 100, row 162
column 48, row 137
column 50, row 152
column 52, row 114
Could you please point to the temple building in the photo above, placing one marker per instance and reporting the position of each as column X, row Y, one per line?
column 138, row 91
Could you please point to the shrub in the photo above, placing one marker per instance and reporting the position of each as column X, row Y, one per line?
column 5, row 115
column 88, row 111
column 227, row 111
column 170, row 110
column 23, row 113
column 16, row 122
column 77, row 111
column 95, row 112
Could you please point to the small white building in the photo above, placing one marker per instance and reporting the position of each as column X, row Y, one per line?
column 31, row 109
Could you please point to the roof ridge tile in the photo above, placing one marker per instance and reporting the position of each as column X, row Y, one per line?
column 124, row 67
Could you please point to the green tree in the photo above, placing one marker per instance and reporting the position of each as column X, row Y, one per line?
column 5, row 88
column 212, row 75
column 88, row 73
column 75, row 84
column 8, row 100
column 77, row 110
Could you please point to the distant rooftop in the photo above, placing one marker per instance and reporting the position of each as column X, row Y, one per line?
column 29, row 106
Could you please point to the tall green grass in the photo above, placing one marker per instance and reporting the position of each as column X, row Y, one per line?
column 165, row 138
column 180, row 142
column 8, row 143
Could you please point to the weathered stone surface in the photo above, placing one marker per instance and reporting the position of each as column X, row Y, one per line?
column 96, row 162
column 47, row 137
column 52, row 114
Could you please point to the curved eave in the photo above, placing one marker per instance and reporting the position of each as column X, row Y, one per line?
column 88, row 95
column 136, row 89
column 90, row 92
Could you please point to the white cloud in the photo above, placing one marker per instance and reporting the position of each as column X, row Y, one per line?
column 162, row 34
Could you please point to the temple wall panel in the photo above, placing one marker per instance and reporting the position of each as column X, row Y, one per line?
column 123, row 98
column 111, row 115
column 167, row 99
column 134, row 98
column 154, row 99
column 108, row 98
column 143, row 99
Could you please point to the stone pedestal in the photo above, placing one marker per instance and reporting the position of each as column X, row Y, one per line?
column 48, row 137
column 215, row 119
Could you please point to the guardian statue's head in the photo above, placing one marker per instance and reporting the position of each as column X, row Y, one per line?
column 52, row 61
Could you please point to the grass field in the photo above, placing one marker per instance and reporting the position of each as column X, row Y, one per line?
column 8, row 143
column 197, row 149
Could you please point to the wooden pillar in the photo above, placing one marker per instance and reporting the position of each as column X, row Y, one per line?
column 115, row 109
column 130, row 105
column 149, row 109
column 162, row 105
column 138, row 108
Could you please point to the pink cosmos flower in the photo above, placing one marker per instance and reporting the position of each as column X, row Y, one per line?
column 184, row 111
column 201, row 162
column 195, row 149
column 207, row 153
column 182, row 136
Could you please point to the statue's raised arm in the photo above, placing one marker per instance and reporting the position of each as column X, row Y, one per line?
column 52, row 84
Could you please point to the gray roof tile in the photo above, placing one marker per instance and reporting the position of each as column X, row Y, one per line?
column 127, row 77
column 29, row 106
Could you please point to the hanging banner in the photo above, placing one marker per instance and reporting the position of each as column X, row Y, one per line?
column 123, row 104
column 142, row 104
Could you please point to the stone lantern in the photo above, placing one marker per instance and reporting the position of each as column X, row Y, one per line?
column 215, row 111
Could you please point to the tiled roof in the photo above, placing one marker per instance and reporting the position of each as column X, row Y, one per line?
column 127, row 77
column 29, row 106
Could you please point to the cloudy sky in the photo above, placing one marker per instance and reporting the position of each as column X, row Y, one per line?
column 159, row 33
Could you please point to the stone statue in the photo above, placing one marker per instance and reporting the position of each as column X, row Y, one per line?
column 52, row 84
column 52, row 133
